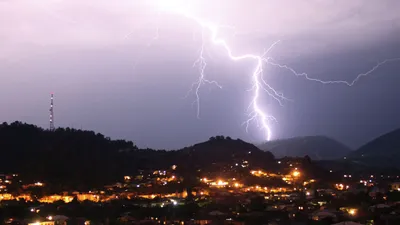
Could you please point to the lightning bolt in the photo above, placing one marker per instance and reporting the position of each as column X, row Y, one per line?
column 348, row 83
column 258, row 83
column 201, row 64
column 256, row 113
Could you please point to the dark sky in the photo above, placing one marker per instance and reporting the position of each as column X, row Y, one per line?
column 110, row 76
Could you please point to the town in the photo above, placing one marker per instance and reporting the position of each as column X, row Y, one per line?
column 237, row 194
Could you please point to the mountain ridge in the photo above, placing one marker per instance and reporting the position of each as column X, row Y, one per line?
column 316, row 147
column 384, row 150
column 389, row 141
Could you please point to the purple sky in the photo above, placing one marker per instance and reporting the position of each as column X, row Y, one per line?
column 110, row 75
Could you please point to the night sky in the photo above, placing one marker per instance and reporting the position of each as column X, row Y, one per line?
column 113, row 74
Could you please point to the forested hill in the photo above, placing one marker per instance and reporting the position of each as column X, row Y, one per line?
column 77, row 158
column 65, row 155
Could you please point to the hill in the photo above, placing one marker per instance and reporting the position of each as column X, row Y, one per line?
column 383, row 151
column 80, row 159
column 66, row 156
column 226, row 150
column 316, row 147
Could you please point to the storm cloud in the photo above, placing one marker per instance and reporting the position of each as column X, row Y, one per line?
column 115, row 72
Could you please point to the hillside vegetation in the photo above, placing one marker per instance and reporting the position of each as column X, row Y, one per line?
column 77, row 158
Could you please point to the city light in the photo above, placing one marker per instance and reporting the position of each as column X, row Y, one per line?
column 39, row 184
column 352, row 212
column 219, row 183
column 342, row 187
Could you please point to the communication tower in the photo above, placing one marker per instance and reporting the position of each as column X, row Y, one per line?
column 52, row 128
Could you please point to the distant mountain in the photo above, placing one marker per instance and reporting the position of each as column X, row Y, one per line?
column 316, row 147
column 383, row 151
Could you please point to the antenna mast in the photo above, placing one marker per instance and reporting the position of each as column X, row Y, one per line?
column 52, row 128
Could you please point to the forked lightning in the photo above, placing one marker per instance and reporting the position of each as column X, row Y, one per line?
column 257, row 114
